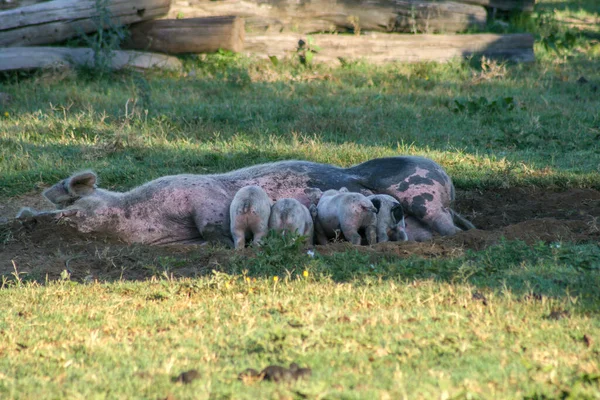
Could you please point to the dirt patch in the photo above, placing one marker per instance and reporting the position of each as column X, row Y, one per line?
column 10, row 207
column 43, row 248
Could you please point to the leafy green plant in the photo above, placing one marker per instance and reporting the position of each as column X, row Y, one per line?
column 276, row 250
column 559, row 42
column 105, row 40
column 483, row 105
column 553, row 36
column 581, row 257
column 306, row 50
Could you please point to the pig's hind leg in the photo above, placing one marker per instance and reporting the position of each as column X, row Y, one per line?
column 351, row 234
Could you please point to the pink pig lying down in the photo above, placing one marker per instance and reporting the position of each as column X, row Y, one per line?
column 195, row 208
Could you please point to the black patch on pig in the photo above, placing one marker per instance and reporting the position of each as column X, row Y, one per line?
column 388, row 168
column 376, row 204
column 398, row 213
column 414, row 180
column 419, row 204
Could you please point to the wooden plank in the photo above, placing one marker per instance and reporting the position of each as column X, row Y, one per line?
column 190, row 35
column 27, row 58
column 56, row 21
column 306, row 16
column 384, row 48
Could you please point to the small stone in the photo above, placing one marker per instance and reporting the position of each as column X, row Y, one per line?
column 188, row 376
column 300, row 373
column 479, row 296
column 558, row 315
column 277, row 373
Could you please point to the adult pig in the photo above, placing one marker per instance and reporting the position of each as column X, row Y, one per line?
column 195, row 208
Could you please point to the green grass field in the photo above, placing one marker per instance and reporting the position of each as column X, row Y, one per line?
column 508, row 321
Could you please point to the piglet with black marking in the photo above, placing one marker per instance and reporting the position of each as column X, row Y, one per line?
column 249, row 214
column 390, row 218
column 348, row 212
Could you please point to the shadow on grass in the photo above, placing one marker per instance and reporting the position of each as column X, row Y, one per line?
column 126, row 167
column 531, row 272
column 213, row 125
column 587, row 6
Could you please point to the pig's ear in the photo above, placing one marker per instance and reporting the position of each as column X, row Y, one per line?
column 376, row 204
column 398, row 213
column 82, row 183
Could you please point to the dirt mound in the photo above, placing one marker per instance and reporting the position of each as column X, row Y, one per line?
column 44, row 247
column 496, row 208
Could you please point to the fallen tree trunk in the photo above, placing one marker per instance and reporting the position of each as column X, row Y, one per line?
column 27, row 58
column 191, row 35
column 507, row 5
column 384, row 48
column 342, row 15
column 58, row 20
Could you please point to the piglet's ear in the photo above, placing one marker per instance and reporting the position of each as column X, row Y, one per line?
column 398, row 213
column 376, row 203
column 82, row 183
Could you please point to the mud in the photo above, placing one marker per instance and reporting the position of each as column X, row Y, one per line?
column 44, row 248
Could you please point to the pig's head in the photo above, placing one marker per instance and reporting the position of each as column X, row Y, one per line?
column 313, row 194
column 68, row 191
column 393, row 219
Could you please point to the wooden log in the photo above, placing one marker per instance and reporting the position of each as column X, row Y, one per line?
column 383, row 48
column 269, row 16
column 27, row 58
column 58, row 20
column 507, row 5
column 190, row 35
column 8, row 4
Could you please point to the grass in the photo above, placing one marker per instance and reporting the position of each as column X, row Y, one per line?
column 234, row 112
column 382, row 330
column 510, row 321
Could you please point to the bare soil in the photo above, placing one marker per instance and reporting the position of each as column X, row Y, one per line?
column 42, row 248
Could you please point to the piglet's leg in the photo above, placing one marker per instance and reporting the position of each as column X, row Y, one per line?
column 321, row 237
column 258, row 236
column 309, row 233
column 381, row 235
column 371, row 233
column 351, row 234
column 239, row 239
